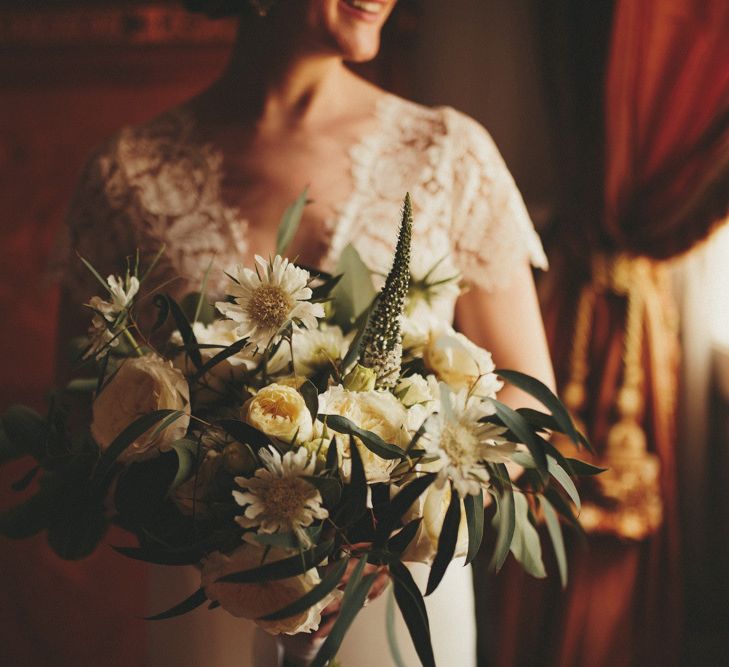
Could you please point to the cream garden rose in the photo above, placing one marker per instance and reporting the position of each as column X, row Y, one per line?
column 140, row 386
column 255, row 600
column 432, row 507
column 460, row 363
column 279, row 411
column 376, row 411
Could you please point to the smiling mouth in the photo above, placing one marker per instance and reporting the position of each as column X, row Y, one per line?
column 371, row 8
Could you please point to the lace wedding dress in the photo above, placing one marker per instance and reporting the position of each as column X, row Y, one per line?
column 159, row 184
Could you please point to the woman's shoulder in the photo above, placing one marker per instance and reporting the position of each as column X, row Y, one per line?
column 158, row 164
column 136, row 146
column 442, row 133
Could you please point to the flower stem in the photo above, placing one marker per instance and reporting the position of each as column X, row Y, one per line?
column 133, row 342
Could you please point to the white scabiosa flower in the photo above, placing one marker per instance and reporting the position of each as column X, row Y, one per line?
column 101, row 332
column 462, row 443
column 266, row 299
column 122, row 291
column 278, row 499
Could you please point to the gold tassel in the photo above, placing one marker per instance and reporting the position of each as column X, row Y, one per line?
column 628, row 500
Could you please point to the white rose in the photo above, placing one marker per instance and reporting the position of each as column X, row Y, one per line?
column 255, row 600
column 416, row 389
column 315, row 350
column 222, row 333
column 376, row 411
column 432, row 507
column 279, row 411
column 460, row 363
column 140, row 386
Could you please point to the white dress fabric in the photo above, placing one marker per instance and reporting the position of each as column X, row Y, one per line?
column 159, row 184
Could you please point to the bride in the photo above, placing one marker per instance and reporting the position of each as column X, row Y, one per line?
column 210, row 179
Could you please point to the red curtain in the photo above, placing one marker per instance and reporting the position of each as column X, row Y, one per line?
column 667, row 124
column 666, row 185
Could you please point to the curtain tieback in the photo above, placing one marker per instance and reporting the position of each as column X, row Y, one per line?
column 626, row 499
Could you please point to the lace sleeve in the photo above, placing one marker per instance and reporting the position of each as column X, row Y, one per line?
column 96, row 228
column 491, row 229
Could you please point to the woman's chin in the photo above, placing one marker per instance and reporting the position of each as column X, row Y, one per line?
column 360, row 51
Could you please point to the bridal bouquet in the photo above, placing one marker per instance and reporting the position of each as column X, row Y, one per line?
column 305, row 427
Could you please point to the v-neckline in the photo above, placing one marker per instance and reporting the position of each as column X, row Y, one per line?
column 361, row 155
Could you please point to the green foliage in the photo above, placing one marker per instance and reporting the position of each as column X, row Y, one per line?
column 412, row 607
column 446, row 543
column 319, row 592
column 290, row 222
column 371, row 440
column 24, row 432
column 355, row 594
column 525, row 545
column 354, row 293
column 504, row 520
column 474, row 520
column 188, row 604
column 135, row 430
column 282, row 569
column 555, row 534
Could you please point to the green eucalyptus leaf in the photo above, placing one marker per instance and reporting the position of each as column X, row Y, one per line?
column 521, row 429
column 29, row 517
column 193, row 602
column 78, row 523
column 474, row 520
column 402, row 539
column 135, row 430
column 311, row 398
column 221, row 356
column 281, row 569
column 287, row 540
column 26, row 432
column 412, row 607
column 504, row 519
column 582, row 468
column 565, row 481
column 555, row 534
column 354, row 293
column 401, row 503
column 188, row 336
column 543, row 394
column 319, row 592
column 245, row 433
column 187, row 452
column 290, row 222
column 355, row 594
column 82, row 385
column 525, row 546
column 372, row 441
column 446, row 543
column 354, row 494
column 395, row 652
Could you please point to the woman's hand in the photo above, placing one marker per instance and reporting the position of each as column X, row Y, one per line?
column 331, row 612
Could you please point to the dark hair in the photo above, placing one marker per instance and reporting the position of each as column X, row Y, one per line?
column 217, row 9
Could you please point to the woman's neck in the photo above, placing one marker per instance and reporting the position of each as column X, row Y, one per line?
column 273, row 79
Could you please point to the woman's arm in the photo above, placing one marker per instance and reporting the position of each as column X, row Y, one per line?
column 508, row 323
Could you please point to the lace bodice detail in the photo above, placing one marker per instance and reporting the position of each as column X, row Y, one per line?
column 158, row 185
